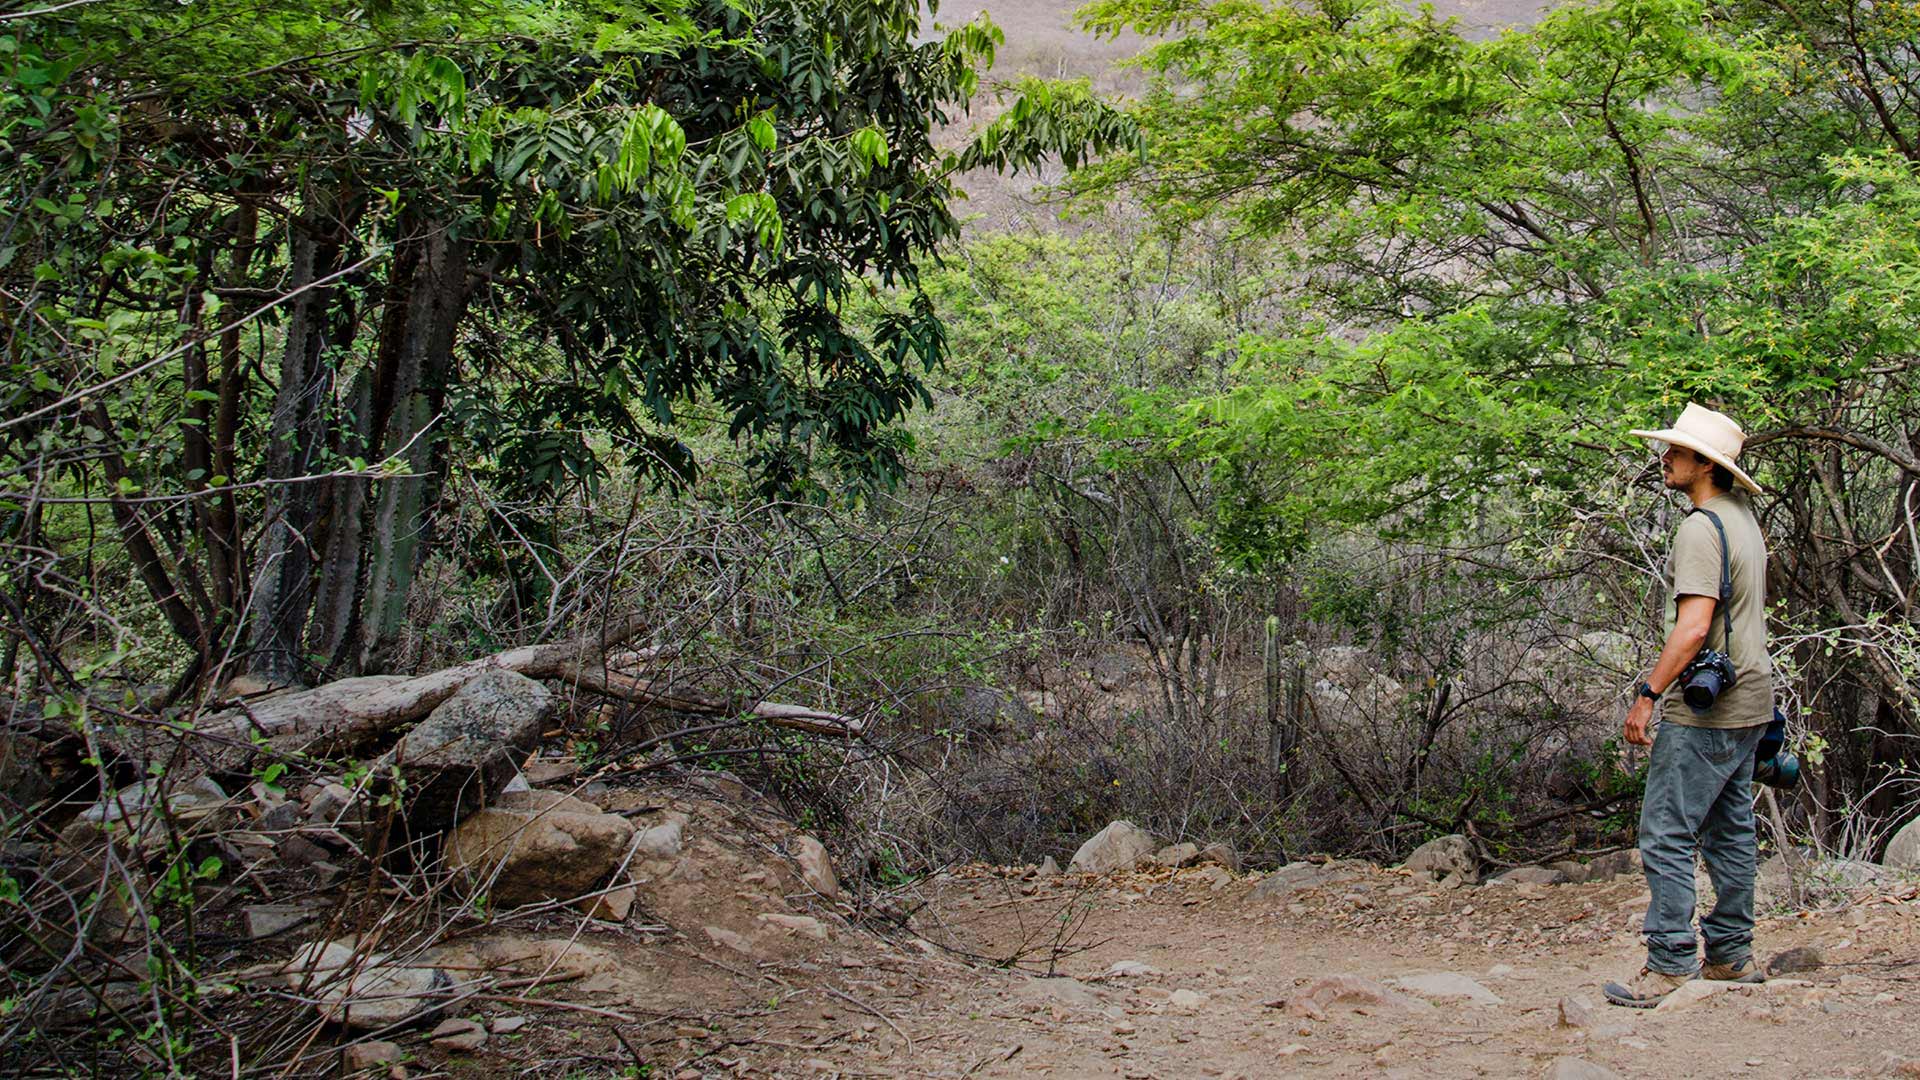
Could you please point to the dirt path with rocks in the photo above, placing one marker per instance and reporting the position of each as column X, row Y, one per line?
column 732, row 965
column 1183, row 978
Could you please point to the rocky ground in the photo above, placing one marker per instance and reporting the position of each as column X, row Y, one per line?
column 731, row 963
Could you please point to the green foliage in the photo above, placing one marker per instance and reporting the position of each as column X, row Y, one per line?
column 1510, row 248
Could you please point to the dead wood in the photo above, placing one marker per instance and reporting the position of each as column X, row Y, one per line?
column 353, row 714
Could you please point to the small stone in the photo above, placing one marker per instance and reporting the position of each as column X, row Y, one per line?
column 816, row 869
column 729, row 940
column 372, row 995
column 688, row 1031
column 1803, row 958
column 1219, row 854
column 803, row 925
column 1573, row 1068
column 459, row 1034
column 506, row 1025
column 1128, row 969
column 1123, row 1028
column 611, row 906
column 550, row 771
column 1530, row 875
column 1186, row 1001
column 368, row 1055
column 1048, row 868
column 662, row 841
column 267, row 920
column 1316, row 997
column 1449, row 984
column 1579, row 1011
column 1178, row 855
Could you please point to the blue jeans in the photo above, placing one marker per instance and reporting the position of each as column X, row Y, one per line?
column 1699, row 798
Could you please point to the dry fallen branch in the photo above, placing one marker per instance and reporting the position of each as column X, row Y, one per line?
column 360, row 711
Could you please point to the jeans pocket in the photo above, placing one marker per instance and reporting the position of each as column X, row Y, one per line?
column 1722, row 746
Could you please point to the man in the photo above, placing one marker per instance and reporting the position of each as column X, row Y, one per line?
column 1699, row 782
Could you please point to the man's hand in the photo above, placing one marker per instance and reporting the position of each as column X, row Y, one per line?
column 1638, row 718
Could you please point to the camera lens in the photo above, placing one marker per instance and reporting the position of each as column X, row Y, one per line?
column 1702, row 690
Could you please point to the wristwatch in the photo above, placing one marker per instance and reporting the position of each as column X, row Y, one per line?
column 1648, row 691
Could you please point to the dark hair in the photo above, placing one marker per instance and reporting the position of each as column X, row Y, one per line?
column 1722, row 476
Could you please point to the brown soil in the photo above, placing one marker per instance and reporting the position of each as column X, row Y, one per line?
column 1224, row 965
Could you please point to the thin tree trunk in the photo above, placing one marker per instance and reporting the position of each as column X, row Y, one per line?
column 409, row 395
column 285, row 574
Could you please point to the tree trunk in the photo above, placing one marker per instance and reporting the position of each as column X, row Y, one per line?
column 408, row 393
column 343, row 520
column 285, row 568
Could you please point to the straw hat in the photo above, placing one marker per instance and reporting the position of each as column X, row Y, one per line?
column 1712, row 435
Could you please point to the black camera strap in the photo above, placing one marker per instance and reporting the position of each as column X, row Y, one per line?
column 1726, row 581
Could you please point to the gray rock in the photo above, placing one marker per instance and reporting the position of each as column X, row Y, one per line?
column 1580, row 1011
column 1448, row 984
column 133, row 806
column 467, row 750
column 1903, row 851
column 1447, row 855
column 459, row 1035
column 1530, row 875
column 1177, row 855
column 506, row 1025
column 269, row 920
column 1061, row 991
column 369, row 1055
column 1122, row 845
column 662, row 841
column 1319, row 996
column 816, row 868
column 365, row 992
column 1573, row 1068
column 1294, row 877
column 1048, row 868
column 1220, row 854
column 538, row 845
column 1803, row 958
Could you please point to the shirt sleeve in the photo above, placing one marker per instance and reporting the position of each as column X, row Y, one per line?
column 1696, row 558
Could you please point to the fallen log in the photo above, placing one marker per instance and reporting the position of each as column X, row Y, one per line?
column 354, row 713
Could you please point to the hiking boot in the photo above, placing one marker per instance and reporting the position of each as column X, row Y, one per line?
column 1649, row 988
column 1746, row 971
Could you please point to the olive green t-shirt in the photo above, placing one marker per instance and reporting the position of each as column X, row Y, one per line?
column 1694, row 570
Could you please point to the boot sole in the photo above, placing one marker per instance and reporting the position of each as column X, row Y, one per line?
column 1620, row 995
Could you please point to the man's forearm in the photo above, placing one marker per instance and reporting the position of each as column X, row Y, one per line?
column 1681, row 647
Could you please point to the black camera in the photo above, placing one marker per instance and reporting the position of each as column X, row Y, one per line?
column 1703, row 681
column 1773, row 764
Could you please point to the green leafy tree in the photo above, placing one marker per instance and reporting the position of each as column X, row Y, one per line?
column 274, row 276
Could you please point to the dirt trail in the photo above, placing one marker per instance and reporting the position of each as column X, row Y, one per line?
column 1529, row 946
column 1206, row 972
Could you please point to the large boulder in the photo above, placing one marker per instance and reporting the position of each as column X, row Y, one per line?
column 1120, row 846
column 1450, row 854
column 538, row 845
column 1903, row 851
column 467, row 750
